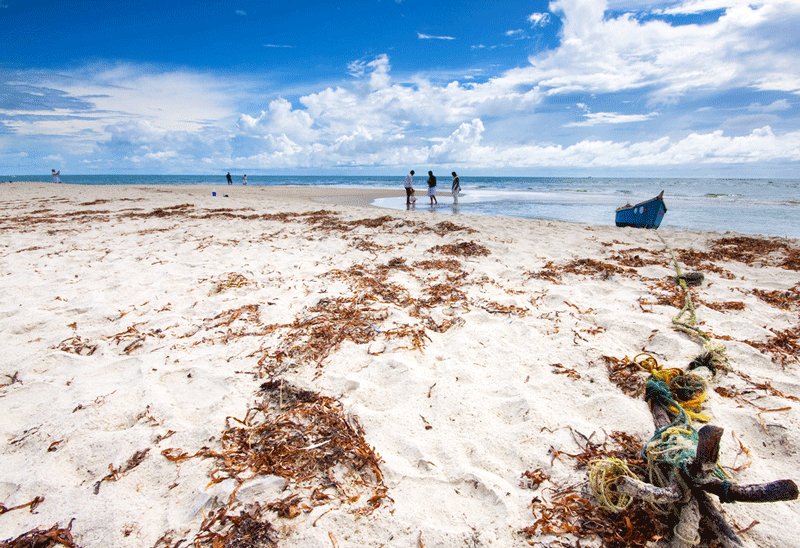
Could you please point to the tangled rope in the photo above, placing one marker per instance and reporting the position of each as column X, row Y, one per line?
column 604, row 474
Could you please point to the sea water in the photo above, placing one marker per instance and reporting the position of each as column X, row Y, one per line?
column 751, row 206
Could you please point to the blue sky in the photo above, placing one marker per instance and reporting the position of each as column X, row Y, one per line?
column 568, row 87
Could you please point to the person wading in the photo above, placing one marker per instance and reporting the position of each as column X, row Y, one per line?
column 432, row 188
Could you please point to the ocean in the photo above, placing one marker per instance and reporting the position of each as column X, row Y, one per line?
column 750, row 206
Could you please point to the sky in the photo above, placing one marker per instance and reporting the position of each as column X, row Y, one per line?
column 510, row 87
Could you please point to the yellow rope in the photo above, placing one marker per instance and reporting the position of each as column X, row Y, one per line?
column 689, row 325
column 604, row 474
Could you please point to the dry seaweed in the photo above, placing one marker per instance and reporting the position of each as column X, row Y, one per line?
column 550, row 272
column 570, row 512
column 12, row 379
column 43, row 538
column 595, row 268
column 461, row 249
column 288, row 507
column 766, row 386
column 222, row 529
column 247, row 313
column 531, row 479
column 703, row 261
column 365, row 244
column 315, row 335
column 750, row 250
column 788, row 299
column 77, row 345
column 725, row 305
column 95, row 202
column 31, row 505
column 115, row 473
column 303, row 437
column 561, row 369
column 510, row 309
column 625, row 374
column 667, row 292
column 784, row 345
column 416, row 334
column 134, row 338
column 623, row 446
column 231, row 280
column 446, row 227
column 637, row 257
column 443, row 294
column 180, row 210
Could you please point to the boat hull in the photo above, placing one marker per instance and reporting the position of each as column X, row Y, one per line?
column 647, row 214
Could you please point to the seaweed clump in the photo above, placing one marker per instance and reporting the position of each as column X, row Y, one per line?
column 303, row 437
column 43, row 538
column 570, row 512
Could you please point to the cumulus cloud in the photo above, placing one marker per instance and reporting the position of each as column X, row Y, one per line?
column 746, row 47
column 125, row 116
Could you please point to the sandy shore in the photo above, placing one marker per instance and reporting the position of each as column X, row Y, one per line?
column 340, row 375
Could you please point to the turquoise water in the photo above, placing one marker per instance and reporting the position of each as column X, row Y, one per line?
column 752, row 206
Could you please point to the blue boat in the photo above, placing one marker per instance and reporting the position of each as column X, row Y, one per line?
column 647, row 214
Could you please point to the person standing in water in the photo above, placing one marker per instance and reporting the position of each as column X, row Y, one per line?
column 432, row 188
column 244, row 179
column 456, row 188
column 409, row 186
column 56, row 175
column 229, row 178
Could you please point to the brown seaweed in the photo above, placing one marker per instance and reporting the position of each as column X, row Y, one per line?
column 43, row 538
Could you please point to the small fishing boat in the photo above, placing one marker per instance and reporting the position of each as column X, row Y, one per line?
column 647, row 214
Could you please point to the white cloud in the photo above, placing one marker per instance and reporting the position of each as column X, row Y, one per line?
column 749, row 46
column 776, row 106
column 280, row 119
column 422, row 36
column 241, row 13
column 539, row 19
column 761, row 145
column 600, row 118
column 514, row 33
column 286, row 46
column 124, row 115
column 689, row 7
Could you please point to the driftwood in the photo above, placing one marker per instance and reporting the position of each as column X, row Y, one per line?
column 690, row 490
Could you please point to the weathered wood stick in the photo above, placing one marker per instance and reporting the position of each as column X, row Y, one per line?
column 756, row 492
column 660, row 416
column 715, row 521
column 648, row 492
column 686, row 532
column 707, row 450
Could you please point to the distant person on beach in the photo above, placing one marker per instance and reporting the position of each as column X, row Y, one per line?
column 456, row 188
column 409, row 186
column 244, row 179
column 432, row 188
column 56, row 175
column 229, row 178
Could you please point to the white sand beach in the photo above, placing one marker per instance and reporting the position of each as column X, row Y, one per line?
column 409, row 367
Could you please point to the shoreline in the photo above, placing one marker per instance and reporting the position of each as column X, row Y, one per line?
column 150, row 330
column 361, row 197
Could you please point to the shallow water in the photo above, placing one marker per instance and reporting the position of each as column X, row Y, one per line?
column 754, row 206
